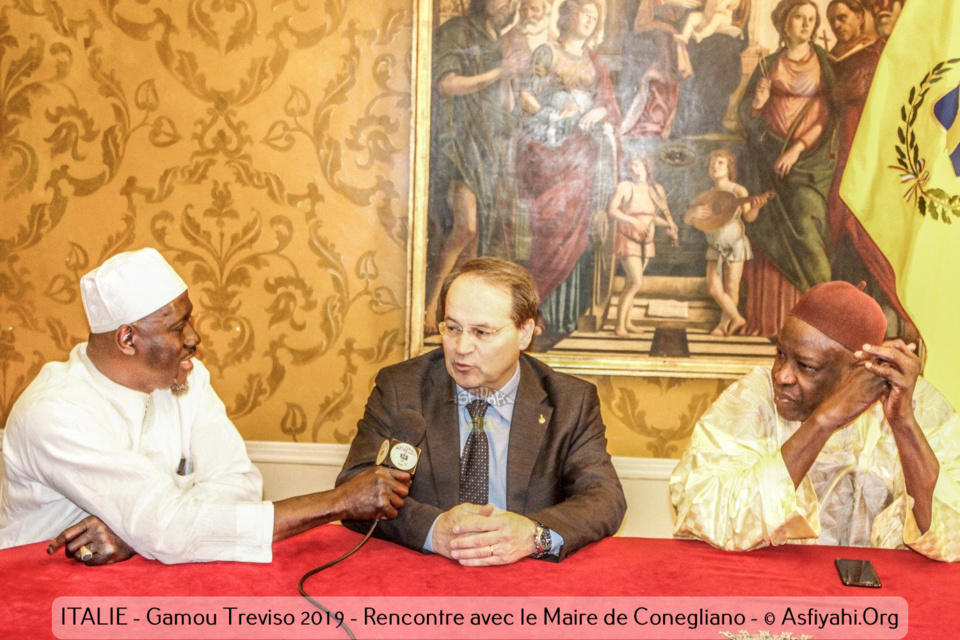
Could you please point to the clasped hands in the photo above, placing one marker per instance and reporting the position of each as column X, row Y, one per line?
column 482, row 535
column 884, row 373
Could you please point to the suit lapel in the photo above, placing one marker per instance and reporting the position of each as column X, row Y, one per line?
column 531, row 417
column 443, row 436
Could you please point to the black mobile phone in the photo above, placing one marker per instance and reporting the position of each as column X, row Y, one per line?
column 858, row 573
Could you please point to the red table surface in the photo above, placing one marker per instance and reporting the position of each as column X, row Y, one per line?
column 30, row 580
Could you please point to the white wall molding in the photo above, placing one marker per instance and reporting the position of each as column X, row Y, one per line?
column 629, row 468
column 316, row 453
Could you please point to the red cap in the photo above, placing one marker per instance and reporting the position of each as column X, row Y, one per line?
column 843, row 312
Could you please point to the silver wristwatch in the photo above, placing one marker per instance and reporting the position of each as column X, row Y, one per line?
column 541, row 540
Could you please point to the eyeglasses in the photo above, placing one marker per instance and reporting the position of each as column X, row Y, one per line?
column 480, row 334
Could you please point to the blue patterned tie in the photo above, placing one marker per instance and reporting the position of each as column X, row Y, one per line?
column 475, row 463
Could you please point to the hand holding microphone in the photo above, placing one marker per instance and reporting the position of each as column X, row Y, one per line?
column 378, row 493
column 375, row 494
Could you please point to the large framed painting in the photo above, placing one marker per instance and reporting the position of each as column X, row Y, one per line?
column 667, row 170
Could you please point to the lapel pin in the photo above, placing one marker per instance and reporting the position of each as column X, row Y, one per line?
column 542, row 419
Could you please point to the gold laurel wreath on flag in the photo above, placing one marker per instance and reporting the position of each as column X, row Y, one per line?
column 936, row 202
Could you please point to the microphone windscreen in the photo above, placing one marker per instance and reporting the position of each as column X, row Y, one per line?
column 409, row 427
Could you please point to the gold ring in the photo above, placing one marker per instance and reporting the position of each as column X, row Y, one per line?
column 491, row 550
column 85, row 553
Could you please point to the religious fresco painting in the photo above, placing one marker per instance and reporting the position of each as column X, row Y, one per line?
column 668, row 170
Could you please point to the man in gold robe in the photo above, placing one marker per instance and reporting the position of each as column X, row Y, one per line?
column 840, row 442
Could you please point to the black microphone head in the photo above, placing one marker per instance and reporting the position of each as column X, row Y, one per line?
column 409, row 427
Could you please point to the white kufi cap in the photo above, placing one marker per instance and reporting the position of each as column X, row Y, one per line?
column 127, row 287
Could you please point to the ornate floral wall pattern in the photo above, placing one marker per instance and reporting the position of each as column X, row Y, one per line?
column 653, row 417
column 264, row 147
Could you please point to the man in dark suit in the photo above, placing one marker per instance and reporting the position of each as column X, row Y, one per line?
column 528, row 474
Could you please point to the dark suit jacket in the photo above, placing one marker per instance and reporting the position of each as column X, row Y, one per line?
column 558, row 470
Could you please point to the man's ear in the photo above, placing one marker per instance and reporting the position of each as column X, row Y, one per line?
column 125, row 339
column 526, row 333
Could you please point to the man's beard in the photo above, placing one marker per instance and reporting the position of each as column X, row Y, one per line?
column 533, row 27
column 179, row 389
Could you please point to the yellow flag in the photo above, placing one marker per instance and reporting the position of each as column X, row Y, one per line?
column 902, row 179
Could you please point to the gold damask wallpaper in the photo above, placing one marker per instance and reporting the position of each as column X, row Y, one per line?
column 264, row 147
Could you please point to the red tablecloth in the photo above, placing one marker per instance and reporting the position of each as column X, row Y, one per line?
column 30, row 580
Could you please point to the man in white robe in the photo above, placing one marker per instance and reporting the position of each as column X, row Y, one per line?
column 839, row 443
column 125, row 448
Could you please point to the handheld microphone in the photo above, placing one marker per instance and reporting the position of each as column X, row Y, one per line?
column 399, row 451
column 396, row 452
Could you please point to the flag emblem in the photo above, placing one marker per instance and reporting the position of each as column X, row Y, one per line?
column 912, row 164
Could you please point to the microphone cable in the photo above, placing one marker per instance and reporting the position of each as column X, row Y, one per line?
column 410, row 424
column 308, row 574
